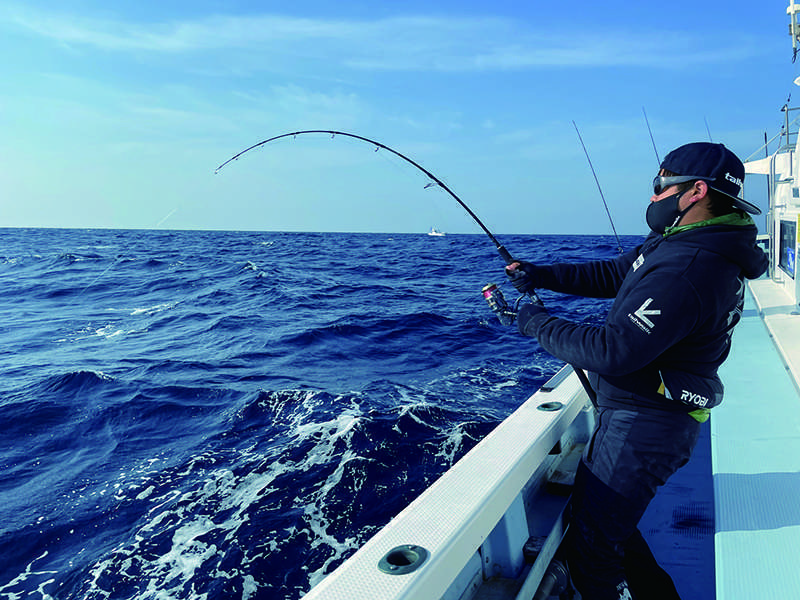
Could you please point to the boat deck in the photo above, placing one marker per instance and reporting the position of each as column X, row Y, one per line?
column 755, row 444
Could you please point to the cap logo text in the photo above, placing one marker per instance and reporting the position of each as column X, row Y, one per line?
column 733, row 179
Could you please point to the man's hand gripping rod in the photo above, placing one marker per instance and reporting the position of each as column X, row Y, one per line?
column 497, row 302
column 506, row 315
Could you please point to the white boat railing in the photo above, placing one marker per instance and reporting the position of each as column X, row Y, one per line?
column 470, row 528
column 783, row 213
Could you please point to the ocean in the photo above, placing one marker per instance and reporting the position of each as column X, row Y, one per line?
column 208, row 415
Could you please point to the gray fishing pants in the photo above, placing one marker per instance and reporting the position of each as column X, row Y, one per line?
column 630, row 455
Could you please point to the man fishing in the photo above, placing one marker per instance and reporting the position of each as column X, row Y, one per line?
column 653, row 363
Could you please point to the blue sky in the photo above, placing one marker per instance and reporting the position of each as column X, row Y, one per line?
column 116, row 114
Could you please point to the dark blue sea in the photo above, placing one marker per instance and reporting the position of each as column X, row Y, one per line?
column 192, row 414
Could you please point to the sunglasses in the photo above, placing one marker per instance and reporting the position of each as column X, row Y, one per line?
column 660, row 182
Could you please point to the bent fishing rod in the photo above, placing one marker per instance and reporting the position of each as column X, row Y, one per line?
column 436, row 181
column 491, row 292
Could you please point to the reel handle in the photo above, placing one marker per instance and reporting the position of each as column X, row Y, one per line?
column 534, row 297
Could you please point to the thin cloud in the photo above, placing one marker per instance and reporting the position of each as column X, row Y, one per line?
column 437, row 44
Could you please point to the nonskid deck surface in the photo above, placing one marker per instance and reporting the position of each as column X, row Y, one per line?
column 755, row 440
column 679, row 524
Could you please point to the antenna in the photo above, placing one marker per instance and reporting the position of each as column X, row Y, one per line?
column 710, row 139
column 794, row 27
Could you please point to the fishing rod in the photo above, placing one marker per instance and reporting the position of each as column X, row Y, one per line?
column 651, row 136
column 492, row 294
column 708, row 130
column 436, row 181
column 602, row 197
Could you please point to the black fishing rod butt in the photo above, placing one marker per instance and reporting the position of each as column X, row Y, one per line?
column 505, row 254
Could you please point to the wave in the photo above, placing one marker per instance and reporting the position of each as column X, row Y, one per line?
column 73, row 382
column 70, row 258
column 376, row 328
column 191, row 414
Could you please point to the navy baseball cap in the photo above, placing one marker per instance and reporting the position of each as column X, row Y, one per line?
column 713, row 163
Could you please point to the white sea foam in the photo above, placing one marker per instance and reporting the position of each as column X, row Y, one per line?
column 109, row 331
column 28, row 573
column 504, row 384
column 146, row 493
column 152, row 310
column 215, row 508
column 454, row 440
column 327, row 450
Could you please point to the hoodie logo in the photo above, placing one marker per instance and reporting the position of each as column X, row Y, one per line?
column 641, row 317
column 623, row 591
column 735, row 315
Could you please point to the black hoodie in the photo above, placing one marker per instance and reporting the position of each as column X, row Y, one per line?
column 677, row 299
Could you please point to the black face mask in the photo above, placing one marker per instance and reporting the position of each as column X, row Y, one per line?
column 665, row 213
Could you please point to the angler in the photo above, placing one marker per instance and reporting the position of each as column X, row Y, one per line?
column 654, row 362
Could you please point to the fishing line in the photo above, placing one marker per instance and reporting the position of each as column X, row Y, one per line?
column 434, row 181
column 172, row 212
column 119, row 257
column 403, row 167
column 96, row 279
column 602, row 197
